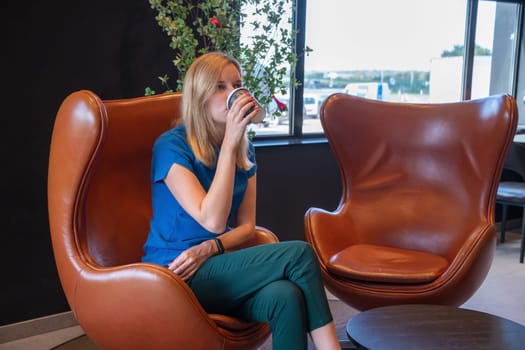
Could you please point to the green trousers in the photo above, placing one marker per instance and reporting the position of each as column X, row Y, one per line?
column 277, row 283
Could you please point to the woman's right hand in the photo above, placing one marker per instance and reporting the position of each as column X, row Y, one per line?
column 188, row 262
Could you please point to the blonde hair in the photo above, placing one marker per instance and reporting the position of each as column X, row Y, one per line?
column 202, row 132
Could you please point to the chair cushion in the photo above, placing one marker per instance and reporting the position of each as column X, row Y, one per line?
column 511, row 192
column 383, row 264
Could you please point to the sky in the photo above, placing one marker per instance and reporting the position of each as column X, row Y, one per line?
column 385, row 34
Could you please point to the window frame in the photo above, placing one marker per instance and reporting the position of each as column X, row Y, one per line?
column 295, row 131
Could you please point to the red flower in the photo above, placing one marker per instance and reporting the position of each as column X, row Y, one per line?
column 215, row 22
column 280, row 105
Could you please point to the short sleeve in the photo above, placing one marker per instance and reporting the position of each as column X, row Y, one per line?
column 171, row 147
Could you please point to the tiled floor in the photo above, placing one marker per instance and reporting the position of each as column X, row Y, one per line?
column 502, row 294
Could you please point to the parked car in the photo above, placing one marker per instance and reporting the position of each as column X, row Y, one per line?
column 310, row 102
column 320, row 100
column 311, row 105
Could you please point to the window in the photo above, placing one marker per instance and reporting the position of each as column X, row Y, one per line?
column 495, row 55
column 403, row 51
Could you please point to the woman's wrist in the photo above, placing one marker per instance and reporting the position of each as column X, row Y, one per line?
column 219, row 246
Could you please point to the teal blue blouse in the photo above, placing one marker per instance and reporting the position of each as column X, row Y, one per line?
column 172, row 229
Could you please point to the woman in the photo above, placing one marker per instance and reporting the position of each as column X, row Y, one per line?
column 203, row 180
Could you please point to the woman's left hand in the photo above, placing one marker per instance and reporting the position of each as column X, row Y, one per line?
column 238, row 119
column 189, row 261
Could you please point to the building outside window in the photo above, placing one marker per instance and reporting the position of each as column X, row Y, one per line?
column 403, row 51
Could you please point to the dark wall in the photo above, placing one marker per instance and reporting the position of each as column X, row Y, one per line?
column 116, row 49
column 291, row 179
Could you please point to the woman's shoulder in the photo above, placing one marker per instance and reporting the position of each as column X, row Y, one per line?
column 176, row 135
column 172, row 146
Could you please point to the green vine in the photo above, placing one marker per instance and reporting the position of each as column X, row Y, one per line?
column 265, row 50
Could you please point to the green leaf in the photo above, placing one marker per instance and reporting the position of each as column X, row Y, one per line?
column 267, row 56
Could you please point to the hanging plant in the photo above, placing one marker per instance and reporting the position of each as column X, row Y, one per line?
column 258, row 33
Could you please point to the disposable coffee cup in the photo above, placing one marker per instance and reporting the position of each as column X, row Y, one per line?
column 259, row 117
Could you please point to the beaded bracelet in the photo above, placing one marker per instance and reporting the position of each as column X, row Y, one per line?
column 220, row 247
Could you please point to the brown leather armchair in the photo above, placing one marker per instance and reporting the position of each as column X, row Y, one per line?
column 99, row 211
column 415, row 222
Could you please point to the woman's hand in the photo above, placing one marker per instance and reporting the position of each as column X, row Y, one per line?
column 189, row 261
column 238, row 118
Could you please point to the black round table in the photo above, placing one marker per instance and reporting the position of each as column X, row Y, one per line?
column 429, row 327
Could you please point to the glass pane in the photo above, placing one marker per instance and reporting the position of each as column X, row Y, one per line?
column 494, row 60
column 389, row 50
column 276, row 121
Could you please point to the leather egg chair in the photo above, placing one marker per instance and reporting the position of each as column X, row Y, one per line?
column 99, row 198
column 415, row 221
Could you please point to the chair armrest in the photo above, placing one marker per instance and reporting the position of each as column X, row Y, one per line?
column 261, row 235
column 319, row 224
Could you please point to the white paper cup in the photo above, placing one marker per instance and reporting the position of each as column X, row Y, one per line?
column 259, row 117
